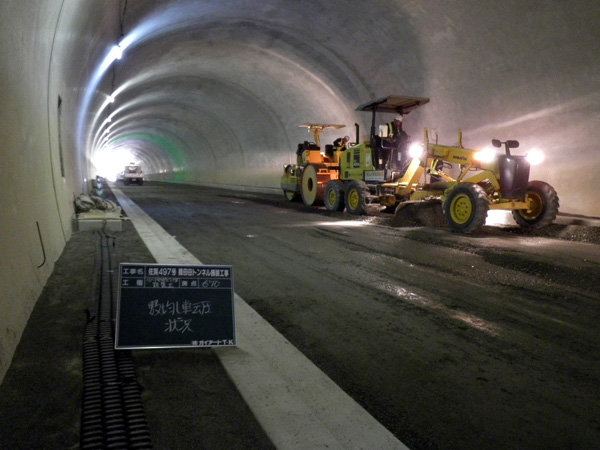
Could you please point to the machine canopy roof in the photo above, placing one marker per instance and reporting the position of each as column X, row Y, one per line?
column 394, row 104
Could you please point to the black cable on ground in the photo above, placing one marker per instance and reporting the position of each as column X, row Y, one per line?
column 112, row 415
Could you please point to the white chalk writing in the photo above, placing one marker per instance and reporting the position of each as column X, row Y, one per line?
column 178, row 325
column 178, row 308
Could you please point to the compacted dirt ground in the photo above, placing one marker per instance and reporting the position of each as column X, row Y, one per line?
column 451, row 341
column 485, row 341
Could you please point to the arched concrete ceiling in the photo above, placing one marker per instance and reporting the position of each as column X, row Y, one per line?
column 213, row 91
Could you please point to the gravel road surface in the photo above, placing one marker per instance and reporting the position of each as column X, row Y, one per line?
column 490, row 340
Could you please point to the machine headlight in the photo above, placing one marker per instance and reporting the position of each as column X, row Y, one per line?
column 535, row 156
column 486, row 155
column 415, row 150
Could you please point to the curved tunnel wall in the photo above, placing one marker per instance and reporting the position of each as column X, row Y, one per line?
column 212, row 92
column 46, row 50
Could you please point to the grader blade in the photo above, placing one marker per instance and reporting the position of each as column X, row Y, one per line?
column 420, row 213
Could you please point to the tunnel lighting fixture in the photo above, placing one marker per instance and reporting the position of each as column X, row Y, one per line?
column 116, row 52
column 111, row 99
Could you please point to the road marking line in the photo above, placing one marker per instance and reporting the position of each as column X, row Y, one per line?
column 298, row 405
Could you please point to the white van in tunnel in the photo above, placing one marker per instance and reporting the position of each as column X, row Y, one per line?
column 133, row 174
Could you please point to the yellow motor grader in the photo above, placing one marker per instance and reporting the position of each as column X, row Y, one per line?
column 465, row 182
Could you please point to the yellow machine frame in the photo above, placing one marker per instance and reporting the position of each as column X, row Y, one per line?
column 409, row 190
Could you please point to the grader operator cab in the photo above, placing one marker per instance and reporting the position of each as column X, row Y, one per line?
column 372, row 175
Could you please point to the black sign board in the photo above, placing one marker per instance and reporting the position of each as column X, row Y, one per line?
column 174, row 306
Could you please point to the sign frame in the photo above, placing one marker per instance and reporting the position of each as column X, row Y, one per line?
column 174, row 306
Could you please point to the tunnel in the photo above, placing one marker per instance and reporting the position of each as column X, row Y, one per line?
column 212, row 93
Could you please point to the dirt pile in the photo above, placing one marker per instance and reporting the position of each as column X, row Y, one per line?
column 429, row 214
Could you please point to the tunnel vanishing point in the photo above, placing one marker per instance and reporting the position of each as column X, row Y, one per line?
column 212, row 92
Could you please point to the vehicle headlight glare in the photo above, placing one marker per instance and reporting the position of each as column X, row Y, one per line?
column 535, row 156
column 415, row 150
column 486, row 155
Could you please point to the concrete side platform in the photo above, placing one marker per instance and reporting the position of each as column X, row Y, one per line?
column 190, row 401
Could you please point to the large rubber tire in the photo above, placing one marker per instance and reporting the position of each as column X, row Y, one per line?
column 335, row 196
column 466, row 207
column 311, row 186
column 356, row 197
column 290, row 195
column 140, row 181
column 544, row 206
column 126, row 181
